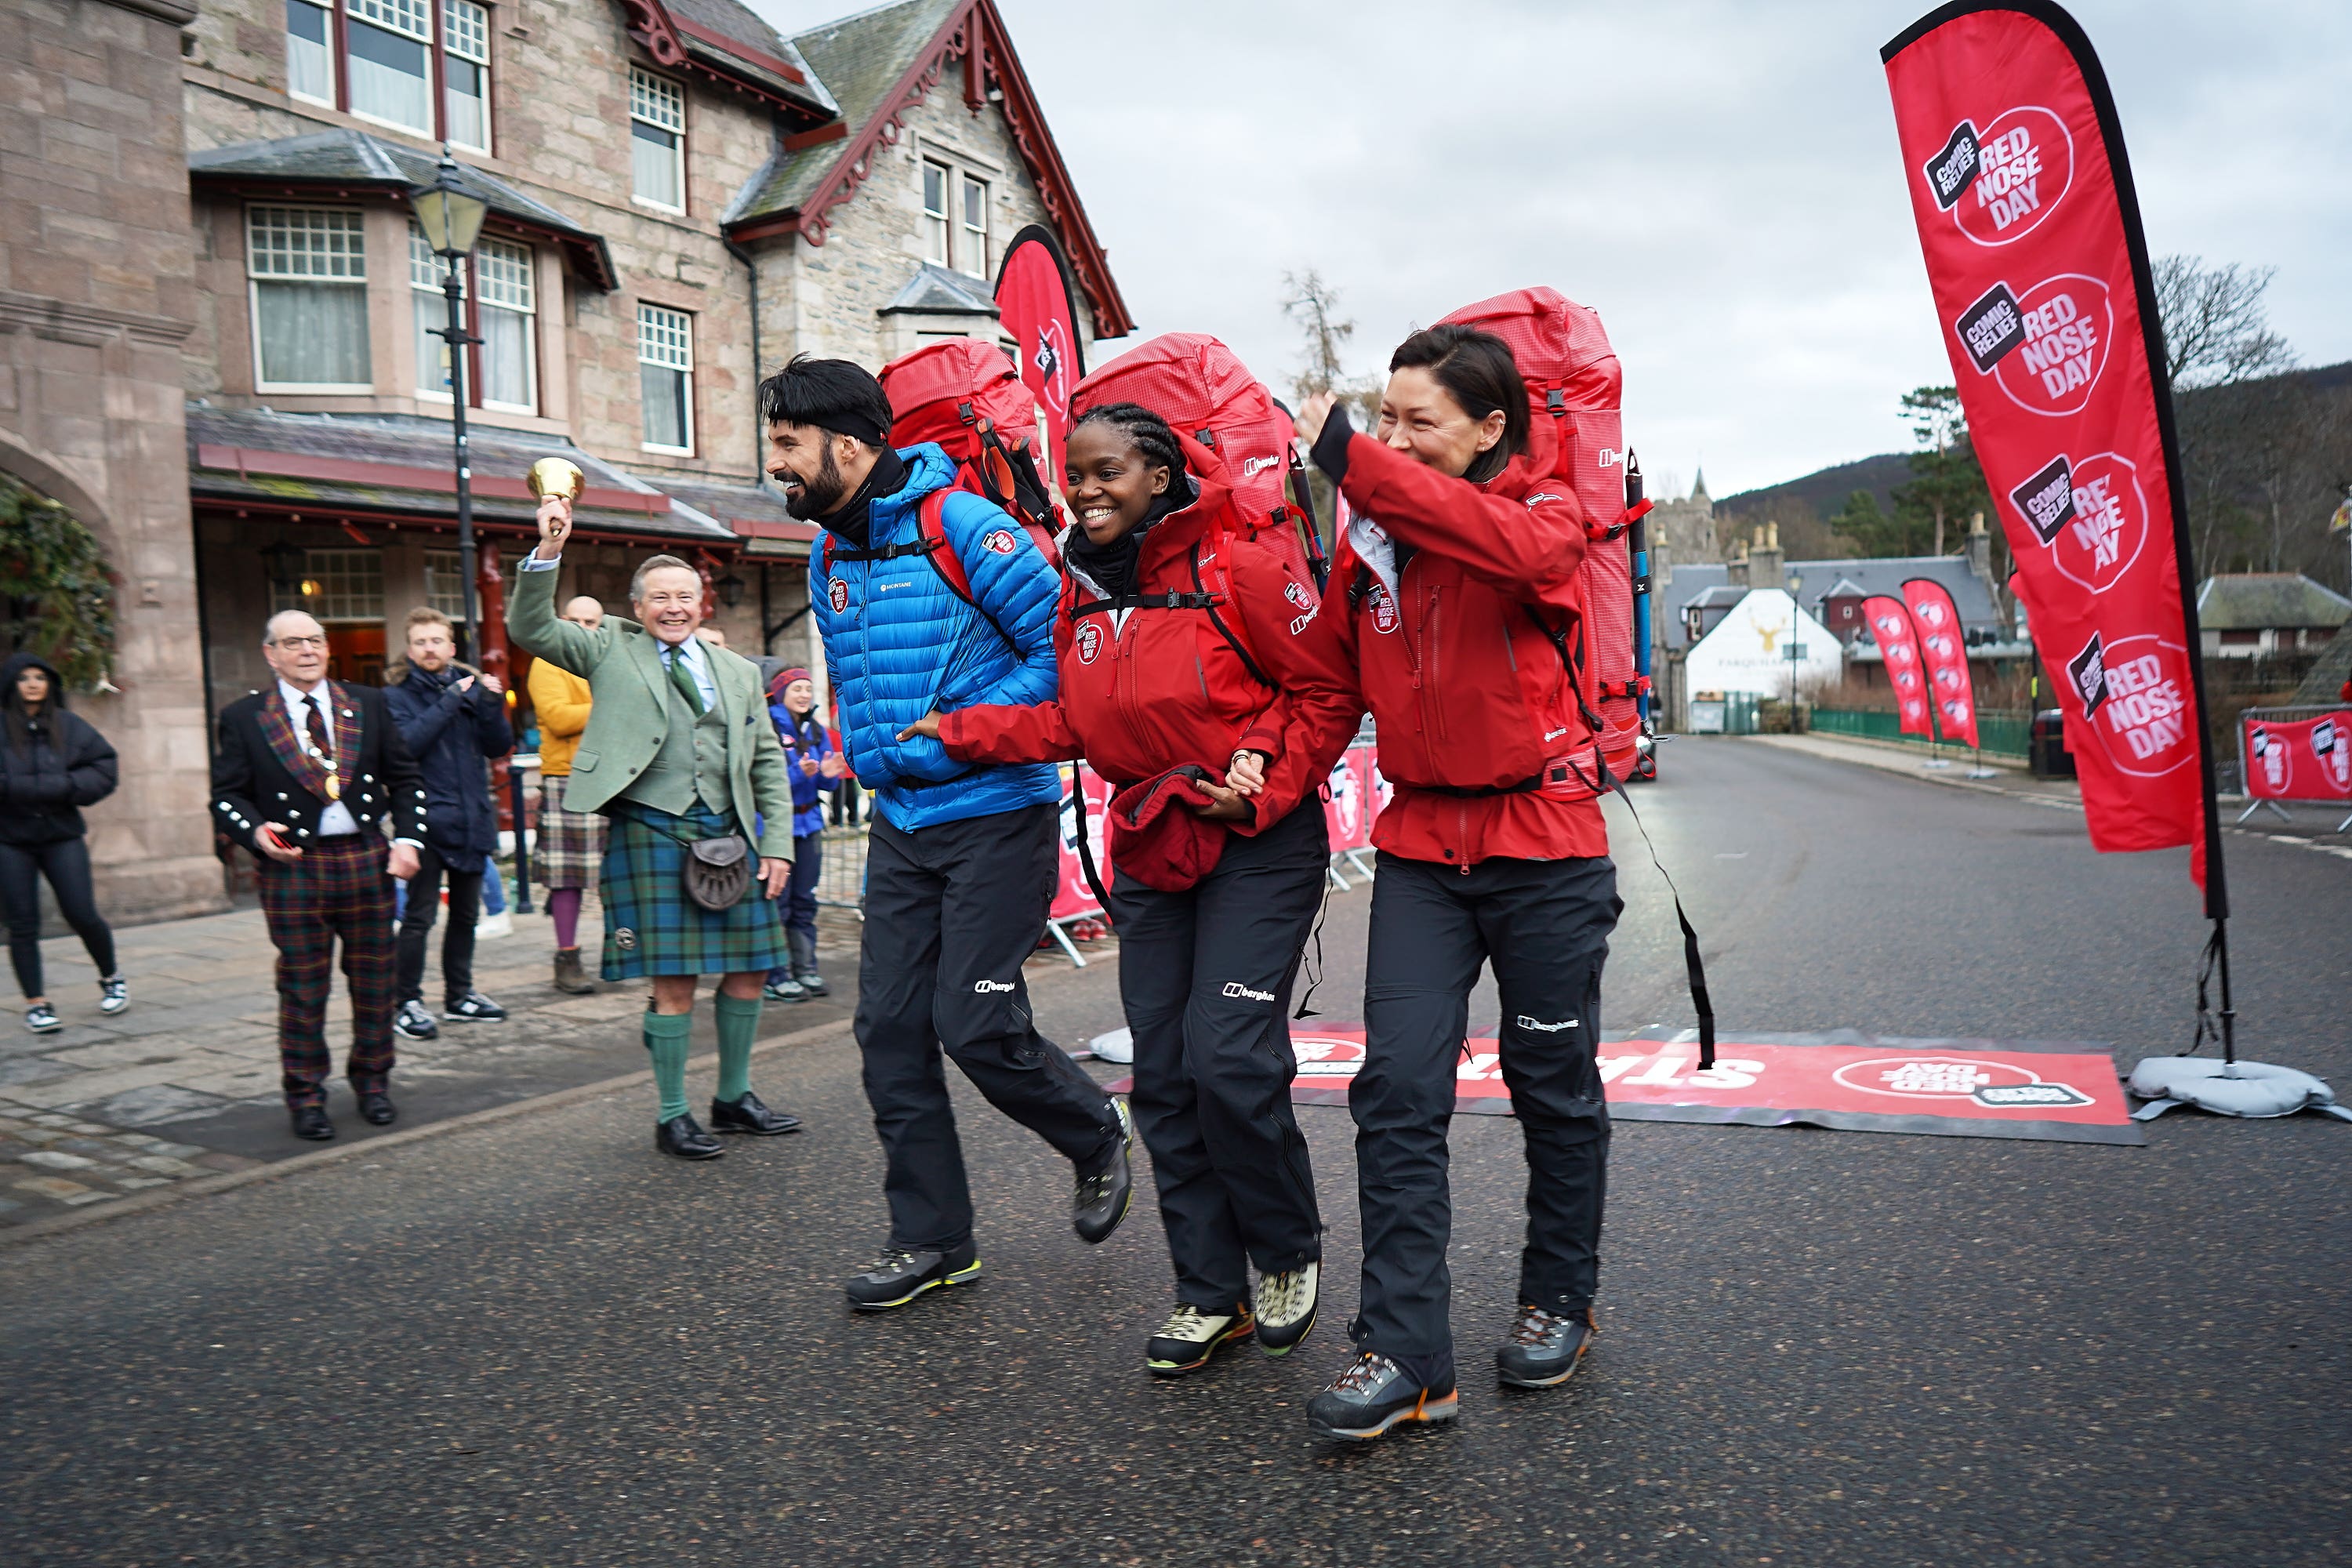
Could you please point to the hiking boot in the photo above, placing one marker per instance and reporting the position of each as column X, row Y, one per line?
column 1371, row 1394
column 42, row 1019
column 1106, row 1188
column 413, row 1021
column 113, row 995
column 473, row 1007
column 898, row 1275
column 1286, row 1306
column 569, row 977
column 1544, row 1349
column 1191, row 1336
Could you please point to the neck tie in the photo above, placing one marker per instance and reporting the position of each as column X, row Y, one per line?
column 683, row 678
column 318, row 726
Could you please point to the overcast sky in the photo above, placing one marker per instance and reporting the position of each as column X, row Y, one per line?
column 1720, row 181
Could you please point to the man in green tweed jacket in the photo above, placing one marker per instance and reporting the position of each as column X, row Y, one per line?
column 678, row 748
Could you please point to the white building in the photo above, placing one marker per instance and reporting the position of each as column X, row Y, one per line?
column 1749, row 650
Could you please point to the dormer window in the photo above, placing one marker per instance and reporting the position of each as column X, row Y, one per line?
column 419, row 65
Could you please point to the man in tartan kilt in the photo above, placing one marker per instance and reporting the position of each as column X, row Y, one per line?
column 307, row 775
column 677, row 750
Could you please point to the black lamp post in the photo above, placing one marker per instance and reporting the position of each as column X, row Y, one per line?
column 451, row 217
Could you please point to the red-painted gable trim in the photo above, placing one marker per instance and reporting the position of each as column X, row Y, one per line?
column 975, row 36
column 663, row 34
column 740, row 50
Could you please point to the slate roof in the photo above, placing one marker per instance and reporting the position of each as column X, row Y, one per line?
column 859, row 58
column 322, row 461
column 742, row 26
column 2252, row 601
column 1816, row 580
column 350, row 158
column 935, row 291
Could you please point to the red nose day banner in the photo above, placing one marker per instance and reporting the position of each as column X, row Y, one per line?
column 2027, row 215
column 1072, row 896
column 1039, row 312
column 1944, row 652
column 2300, row 759
column 1890, row 623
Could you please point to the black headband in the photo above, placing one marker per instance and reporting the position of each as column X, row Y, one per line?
column 857, row 426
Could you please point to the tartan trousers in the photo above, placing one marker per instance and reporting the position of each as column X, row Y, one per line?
column 339, row 888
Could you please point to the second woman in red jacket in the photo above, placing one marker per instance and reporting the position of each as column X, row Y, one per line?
column 1185, row 681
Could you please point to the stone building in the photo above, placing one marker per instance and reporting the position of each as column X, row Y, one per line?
column 218, row 308
column 98, row 296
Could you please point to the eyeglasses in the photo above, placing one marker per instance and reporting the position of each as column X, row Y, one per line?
column 299, row 642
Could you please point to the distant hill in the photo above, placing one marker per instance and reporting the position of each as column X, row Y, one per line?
column 1819, row 496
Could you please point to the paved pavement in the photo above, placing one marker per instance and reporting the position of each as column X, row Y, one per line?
column 534, row 1341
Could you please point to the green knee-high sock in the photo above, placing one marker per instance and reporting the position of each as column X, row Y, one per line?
column 738, row 1020
column 666, row 1040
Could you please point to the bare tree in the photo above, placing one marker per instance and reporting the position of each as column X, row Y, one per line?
column 1315, row 306
column 2216, row 328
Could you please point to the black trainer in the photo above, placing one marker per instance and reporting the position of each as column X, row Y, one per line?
column 1371, row 1394
column 684, row 1137
column 1544, row 1349
column 1105, row 1189
column 414, row 1023
column 1191, row 1335
column 898, row 1275
column 473, row 1007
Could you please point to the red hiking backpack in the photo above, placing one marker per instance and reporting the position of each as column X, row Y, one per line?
column 1230, row 426
column 1573, row 380
column 966, row 396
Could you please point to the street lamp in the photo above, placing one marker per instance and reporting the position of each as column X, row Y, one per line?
column 451, row 217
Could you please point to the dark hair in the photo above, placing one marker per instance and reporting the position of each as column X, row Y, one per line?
column 1147, row 430
column 1478, row 368
column 833, row 393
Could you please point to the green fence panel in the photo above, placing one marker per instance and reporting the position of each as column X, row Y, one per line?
column 2004, row 733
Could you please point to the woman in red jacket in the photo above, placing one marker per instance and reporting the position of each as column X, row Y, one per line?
column 1184, row 683
column 1460, row 571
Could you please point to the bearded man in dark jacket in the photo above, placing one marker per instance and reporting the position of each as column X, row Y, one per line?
column 452, row 720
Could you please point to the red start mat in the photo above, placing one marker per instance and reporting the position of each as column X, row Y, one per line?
column 1862, row 1083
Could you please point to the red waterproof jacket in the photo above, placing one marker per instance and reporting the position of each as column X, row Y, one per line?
column 1455, row 655
column 1149, row 688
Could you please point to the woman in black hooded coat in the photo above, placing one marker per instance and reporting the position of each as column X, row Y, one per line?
column 52, row 763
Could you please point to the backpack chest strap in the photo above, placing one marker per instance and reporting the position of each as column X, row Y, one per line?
column 890, row 552
column 1118, row 603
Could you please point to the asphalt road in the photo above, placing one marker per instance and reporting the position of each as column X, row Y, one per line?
column 535, row 1342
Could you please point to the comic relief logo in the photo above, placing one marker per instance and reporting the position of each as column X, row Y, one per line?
column 2088, row 672
column 2143, row 723
column 1384, row 610
column 2091, row 514
column 1050, row 357
column 1089, row 641
column 1931, row 614
column 1955, row 713
column 1915, row 712
column 1297, row 594
column 2015, row 173
column 2334, row 749
column 1998, row 1085
column 837, row 592
column 2273, row 762
column 2045, row 347
column 999, row 540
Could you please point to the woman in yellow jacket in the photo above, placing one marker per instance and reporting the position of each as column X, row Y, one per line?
column 570, row 843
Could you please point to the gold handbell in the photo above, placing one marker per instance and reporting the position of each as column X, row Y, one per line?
column 556, row 477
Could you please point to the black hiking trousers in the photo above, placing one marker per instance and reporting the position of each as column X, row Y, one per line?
column 1206, row 977
column 951, row 913
column 1544, row 925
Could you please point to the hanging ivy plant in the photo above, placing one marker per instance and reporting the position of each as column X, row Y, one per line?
column 54, row 586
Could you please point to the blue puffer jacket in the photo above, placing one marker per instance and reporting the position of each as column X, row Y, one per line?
column 900, row 643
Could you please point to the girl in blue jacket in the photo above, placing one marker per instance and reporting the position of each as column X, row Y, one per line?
column 816, row 771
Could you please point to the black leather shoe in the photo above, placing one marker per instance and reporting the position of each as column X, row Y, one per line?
column 748, row 1115
column 377, row 1110
column 310, row 1121
column 684, row 1137
column 1104, row 1190
column 1545, row 1348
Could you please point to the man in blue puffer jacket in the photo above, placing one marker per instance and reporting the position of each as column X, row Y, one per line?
column 961, row 860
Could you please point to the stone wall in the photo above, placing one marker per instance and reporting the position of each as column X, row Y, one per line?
column 831, row 294
column 97, row 294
